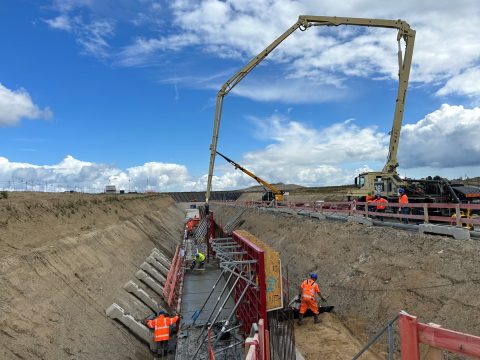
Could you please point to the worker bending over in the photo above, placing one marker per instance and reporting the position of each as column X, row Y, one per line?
column 199, row 259
column 308, row 289
column 161, row 332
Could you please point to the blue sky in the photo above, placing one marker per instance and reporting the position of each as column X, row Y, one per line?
column 123, row 92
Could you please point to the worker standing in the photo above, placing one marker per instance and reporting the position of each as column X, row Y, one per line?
column 381, row 205
column 403, row 200
column 308, row 289
column 190, row 226
column 200, row 259
column 161, row 332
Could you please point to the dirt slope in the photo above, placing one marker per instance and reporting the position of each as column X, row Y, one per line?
column 370, row 273
column 64, row 259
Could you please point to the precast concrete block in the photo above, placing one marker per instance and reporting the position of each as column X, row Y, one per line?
column 153, row 273
column 138, row 292
column 457, row 232
column 317, row 215
column 147, row 280
column 164, row 259
column 114, row 311
column 360, row 220
column 157, row 264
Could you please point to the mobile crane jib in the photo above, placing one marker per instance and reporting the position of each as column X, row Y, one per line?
column 272, row 192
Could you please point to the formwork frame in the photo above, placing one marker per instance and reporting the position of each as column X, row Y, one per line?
column 254, row 304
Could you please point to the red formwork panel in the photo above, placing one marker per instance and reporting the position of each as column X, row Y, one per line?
column 253, row 307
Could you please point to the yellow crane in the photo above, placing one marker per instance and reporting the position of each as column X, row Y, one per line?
column 272, row 191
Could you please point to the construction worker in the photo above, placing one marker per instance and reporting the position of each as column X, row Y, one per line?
column 403, row 200
column 380, row 207
column 161, row 331
column 308, row 289
column 199, row 259
column 369, row 198
column 190, row 226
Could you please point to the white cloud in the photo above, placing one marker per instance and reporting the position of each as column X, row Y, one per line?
column 466, row 83
column 18, row 104
column 444, row 142
column 61, row 22
column 445, row 43
column 446, row 138
column 74, row 174
column 91, row 35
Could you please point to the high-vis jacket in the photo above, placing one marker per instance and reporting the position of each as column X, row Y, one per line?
column 309, row 289
column 403, row 199
column 161, row 326
column 200, row 257
column 380, row 202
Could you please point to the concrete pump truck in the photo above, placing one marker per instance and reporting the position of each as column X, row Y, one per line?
column 386, row 182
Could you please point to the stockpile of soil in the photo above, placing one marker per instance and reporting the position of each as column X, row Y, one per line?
column 64, row 259
column 370, row 273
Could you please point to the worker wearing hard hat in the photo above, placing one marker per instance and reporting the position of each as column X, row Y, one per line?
column 308, row 289
column 199, row 259
column 381, row 204
column 403, row 200
column 161, row 331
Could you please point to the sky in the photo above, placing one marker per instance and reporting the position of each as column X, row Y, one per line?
column 123, row 92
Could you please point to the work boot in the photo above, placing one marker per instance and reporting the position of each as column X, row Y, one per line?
column 300, row 319
column 316, row 320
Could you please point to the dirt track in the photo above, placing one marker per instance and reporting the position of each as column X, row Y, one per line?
column 371, row 273
column 64, row 259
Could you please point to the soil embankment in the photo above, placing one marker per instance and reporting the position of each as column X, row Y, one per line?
column 64, row 259
column 370, row 273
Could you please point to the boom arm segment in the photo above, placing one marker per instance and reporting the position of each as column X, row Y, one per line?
column 304, row 22
column 252, row 175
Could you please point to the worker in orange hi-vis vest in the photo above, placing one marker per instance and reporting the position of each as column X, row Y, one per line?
column 190, row 226
column 381, row 205
column 403, row 199
column 161, row 331
column 308, row 289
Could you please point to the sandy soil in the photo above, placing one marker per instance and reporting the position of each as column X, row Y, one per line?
column 329, row 340
column 370, row 273
column 64, row 259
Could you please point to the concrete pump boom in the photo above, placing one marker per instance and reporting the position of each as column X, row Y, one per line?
column 303, row 23
column 277, row 192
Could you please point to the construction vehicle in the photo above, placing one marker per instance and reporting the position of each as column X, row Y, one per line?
column 303, row 23
column 271, row 193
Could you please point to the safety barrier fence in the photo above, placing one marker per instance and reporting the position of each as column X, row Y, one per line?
column 420, row 212
column 257, row 344
column 414, row 333
column 173, row 284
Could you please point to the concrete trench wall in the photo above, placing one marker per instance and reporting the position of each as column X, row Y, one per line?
column 370, row 273
column 53, row 298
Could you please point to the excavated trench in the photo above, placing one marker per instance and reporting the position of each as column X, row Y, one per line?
column 64, row 260
column 369, row 274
